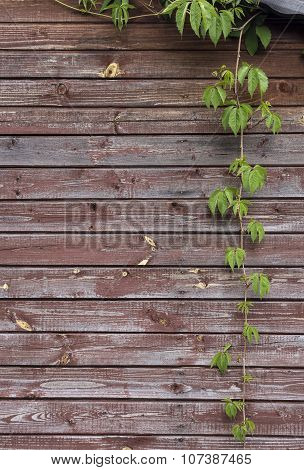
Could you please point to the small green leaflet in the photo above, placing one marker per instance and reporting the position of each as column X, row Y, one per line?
column 257, row 79
column 196, row 17
column 255, row 230
column 251, row 40
column 222, row 359
column 180, row 16
column 264, row 34
column 260, row 284
column 235, row 257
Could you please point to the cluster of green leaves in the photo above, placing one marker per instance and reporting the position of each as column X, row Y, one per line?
column 260, row 284
column 119, row 10
column 241, row 431
column 237, row 115
column 251, row 332
column 257, row 33
column 235, row 257
column 219, row 18
column 232, row 407
column 222, row 359
column 256, row 230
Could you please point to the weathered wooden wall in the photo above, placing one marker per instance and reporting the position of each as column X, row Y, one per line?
column 118, row 354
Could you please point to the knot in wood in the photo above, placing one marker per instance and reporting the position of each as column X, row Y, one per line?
column 62, row 89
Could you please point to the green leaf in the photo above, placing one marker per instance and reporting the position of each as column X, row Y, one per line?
column 250, row 426
column 195, row 17
column 226, row 22
column 239, row 433
column 240, row 256
column 253, row 81
column 215, row 29
column 213, row 200
column 222, row 203
column 181, row 16
column 251, row 40
column 222, row 359
column 234, row 120
column 172, row 6
column 264, row 34
column 243, row 72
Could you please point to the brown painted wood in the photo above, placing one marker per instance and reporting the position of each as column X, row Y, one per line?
column 82, row 121
column 146, row 442
column 140, row 283
column 136, row 349
column 49, row 10
column 184, row 383
column 116, row 417
column 178, row 150
column 174, row 316
column 119, row 249
column 145, row 183
column 59, row 33
column 135, row 64
column 160, row 216
column 132, row 93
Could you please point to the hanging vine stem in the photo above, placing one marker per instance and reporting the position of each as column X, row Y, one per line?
column 237, row 116
column 216, row 19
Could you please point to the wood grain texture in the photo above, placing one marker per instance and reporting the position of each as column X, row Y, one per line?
column 116, row 417
column 135, row 64
column 148, row 316
column 184, row 383
column 62, row 442
column 166, row 150
column 141, row 216
column 141, row 283
column 143, row 183
column 91, row 349
column 59, row 33
column 122, row 249
column 131, row 92
column 120, row 121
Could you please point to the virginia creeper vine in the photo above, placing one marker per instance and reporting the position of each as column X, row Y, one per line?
column 243, row 19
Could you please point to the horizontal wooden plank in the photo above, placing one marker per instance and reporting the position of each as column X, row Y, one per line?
column 135, row 64
column 148, row 316
column 166, row 150
column 130, row 249
column 129, row 93
column 157, row 349
column 149, row 383
column 157, row 183
column 142, row 283
column 149, row 216
column 49, row 10
column 62, row 34
column 116, row 417
column 62, row 442
column 111, row 121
